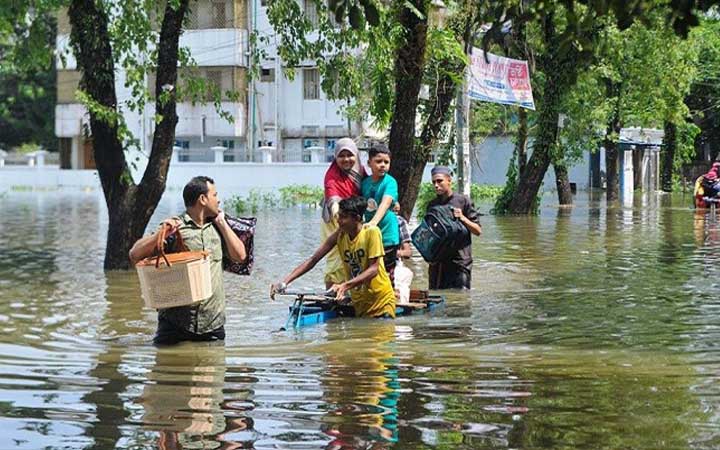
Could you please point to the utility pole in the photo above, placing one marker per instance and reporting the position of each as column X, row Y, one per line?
column 462, row 132
column 252, row 27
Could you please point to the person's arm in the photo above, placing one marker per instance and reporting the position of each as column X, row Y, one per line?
column 306, row 265
column 469, row 218
column 389, row 196
column 384, row 206
column 145, row 247
column 364, row 277
column 235, row 247
column 474, row 228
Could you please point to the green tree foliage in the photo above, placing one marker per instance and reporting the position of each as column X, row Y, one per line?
column 27, row 83
column 380, row 69
column 139, row 38
column 640, row 79
column 704, row 97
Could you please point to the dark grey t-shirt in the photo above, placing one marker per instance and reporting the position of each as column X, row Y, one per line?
column 463, row 257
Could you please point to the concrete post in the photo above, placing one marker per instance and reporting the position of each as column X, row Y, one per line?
column 219, row 153
column 627, row 178
column 317, row 154
column 40, row 157
column 267, row 152
column 3, row 154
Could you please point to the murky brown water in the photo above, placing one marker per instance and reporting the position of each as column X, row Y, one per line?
column 586, row 328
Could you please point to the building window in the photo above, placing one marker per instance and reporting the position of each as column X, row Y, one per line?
column 229, row 155
column 311, row 12
column 184, row 152
column 330, row 150
column 267, row 75
column 311, row 84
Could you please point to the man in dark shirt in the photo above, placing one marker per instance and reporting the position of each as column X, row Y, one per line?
column 454, row 272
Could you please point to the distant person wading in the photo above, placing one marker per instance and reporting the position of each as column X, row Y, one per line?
column 455, row 270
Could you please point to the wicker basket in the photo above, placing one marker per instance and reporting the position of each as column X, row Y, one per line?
column 176, row 279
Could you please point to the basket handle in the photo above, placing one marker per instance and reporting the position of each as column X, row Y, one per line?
column 160, row 243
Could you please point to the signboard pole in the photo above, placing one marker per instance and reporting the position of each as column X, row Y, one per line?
column 462, row 135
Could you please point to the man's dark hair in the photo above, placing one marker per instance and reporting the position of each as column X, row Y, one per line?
column 195, row 188
column 378, row 149
column 354, row 205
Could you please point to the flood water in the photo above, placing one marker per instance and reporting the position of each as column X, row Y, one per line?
column 585, row 328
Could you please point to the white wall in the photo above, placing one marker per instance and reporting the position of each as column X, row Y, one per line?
column 216, row 47
column 209, row 47
column 190, row 120
column 229, row 177
column 492, row 157
column 295, row 111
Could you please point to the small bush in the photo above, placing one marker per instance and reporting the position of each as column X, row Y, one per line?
column 293, row 195
column 478, row 192
column 255, row 200
column 301, row 195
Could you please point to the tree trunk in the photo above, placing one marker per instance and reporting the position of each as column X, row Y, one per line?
column 522, row 137
column 595, row 181
column 562, row 181
column 612, row 160
column 611, row 165
column 407, row 165
column 668, row 157
column 437, row 117
column 637, row 156
column 129, row 206
column 560, row 69
column 525, row 199
column 610, row 143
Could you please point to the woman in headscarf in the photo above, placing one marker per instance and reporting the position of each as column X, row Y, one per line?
column 342, row 180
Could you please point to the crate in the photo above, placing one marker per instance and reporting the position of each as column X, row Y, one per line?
column 176, row 279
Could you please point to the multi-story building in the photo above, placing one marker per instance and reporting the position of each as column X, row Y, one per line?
column 274, row 117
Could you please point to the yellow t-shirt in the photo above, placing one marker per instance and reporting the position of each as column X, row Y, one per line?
column 376, row 297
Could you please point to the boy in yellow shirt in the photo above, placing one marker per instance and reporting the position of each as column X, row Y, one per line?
column 361, row 250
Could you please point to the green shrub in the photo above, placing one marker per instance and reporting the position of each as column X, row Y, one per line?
column 478, row 192
column 27, row 147
column 293, row 195
column 255, row 200
column 301, row 195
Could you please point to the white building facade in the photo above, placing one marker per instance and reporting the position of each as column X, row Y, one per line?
column 274, row 119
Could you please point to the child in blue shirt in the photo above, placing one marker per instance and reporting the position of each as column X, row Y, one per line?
column 381, row 191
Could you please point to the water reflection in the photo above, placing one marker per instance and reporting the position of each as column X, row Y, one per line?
column 589, row 327
column 363, row 414
column 183, row 394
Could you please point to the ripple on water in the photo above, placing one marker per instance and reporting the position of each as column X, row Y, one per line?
column 589, row 328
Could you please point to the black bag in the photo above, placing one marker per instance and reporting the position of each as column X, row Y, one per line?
column 244, row 228
column 440, row 235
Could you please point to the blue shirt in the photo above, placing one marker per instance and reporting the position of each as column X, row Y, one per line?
column 374, row 193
